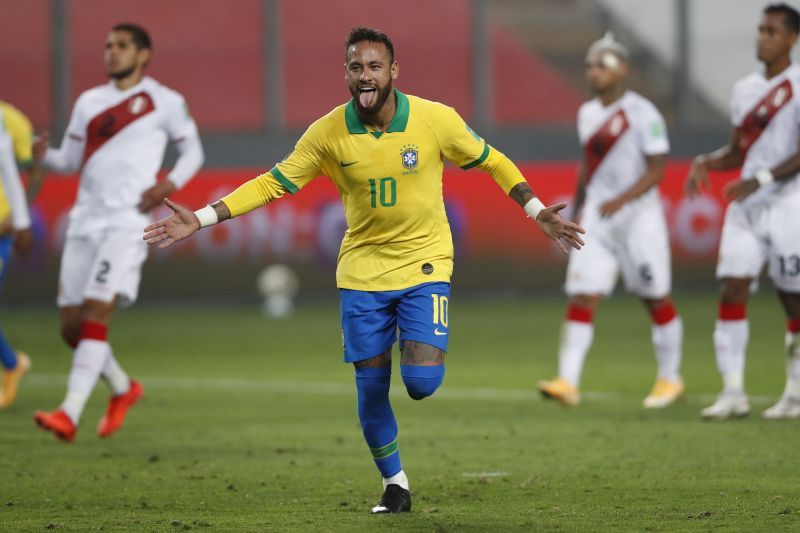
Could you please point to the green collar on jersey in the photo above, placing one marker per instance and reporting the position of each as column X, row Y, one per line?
column 398, row 123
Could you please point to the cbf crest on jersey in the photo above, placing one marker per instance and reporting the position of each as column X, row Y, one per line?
column 409, row 157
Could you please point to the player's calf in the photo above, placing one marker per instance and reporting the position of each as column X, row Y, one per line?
column 422, row 381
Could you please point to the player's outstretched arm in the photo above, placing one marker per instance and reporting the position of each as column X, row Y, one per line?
column 564, row 232
column 725, row 158
column 183, row 223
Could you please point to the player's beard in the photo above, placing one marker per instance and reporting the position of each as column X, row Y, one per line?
column 122, row 74
column 381, row 95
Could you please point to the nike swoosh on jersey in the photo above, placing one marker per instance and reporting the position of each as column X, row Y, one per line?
column 437, row 332
column 347, row 164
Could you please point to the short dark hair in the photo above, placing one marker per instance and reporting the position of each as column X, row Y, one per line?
column 791, row 18
column 364, row 33
column 139, row 35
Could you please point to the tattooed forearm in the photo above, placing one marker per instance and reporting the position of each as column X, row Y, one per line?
column 521, row 193
column 421, row 354
column 223, row 213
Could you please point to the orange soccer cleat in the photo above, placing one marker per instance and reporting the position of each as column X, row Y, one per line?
column 58, row 422
column 11, row 379
column 117, row 408
column 562, row 390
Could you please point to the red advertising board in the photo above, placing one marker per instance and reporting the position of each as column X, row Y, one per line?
column 486, row 223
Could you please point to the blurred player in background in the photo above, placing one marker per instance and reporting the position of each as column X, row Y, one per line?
column 762, row 225
column 625, row 145
column 16, row 138
column 385, row 152
column 116, row 137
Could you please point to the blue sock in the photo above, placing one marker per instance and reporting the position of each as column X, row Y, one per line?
column 7, row 354
column 422, row 381
column 377, row 419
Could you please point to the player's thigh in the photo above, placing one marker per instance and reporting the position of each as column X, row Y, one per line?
column 423, row 315
column 742, row 252
column 645, row 256
column 117, row 269
column 784, row 248
column 594, row 268
column 369, row 323
column 77, row 260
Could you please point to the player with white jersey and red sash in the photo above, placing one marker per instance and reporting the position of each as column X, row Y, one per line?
column 762, row 222
column 625, row 143
column 116, row 137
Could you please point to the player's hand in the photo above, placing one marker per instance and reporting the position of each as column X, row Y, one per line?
column 23, row 241
column 178, row 226
column 564, row 232
column 155, row 195
column 697, row 180
column 740, row 189
column 612, row 206
column 40, row 145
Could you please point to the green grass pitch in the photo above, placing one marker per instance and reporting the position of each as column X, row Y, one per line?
column 250, row 425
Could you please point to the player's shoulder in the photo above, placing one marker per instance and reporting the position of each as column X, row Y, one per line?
column 161, row 91
column 13, row 117
column 423, row 106
column 588, row 107
column 755, row 78
column 638, row 104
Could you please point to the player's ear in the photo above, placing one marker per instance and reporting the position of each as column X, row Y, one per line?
column 395, row 69
column 144, row 56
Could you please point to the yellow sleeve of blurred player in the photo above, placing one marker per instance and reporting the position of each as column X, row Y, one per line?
column 465, row 148
column 21, row 131
column 290, row 175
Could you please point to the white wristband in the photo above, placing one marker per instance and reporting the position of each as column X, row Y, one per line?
column 764, row 177
column 533, row 208
column 207, row 216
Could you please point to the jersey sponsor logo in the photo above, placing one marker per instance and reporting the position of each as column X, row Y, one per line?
column 114, row 119
column 437, row 332
column 759, row 117
column 343, row 164
column 427, row 269
column 600, row 144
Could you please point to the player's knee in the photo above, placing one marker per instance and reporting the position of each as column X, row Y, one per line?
column 71, row 334
column 422, row 381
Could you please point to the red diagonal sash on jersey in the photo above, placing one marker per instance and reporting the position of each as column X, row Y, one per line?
column 111, row 121
column 757, row 120
column 603, row 140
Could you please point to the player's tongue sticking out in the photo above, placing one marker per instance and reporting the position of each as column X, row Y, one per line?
column 367, row 97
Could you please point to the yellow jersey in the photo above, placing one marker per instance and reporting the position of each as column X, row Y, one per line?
column 19, row 128
column 390, row 184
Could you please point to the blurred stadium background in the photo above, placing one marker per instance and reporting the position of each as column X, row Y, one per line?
column 265, row 69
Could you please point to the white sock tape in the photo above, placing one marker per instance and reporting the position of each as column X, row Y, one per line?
column 207, row 216
column 533, row 208
column 764, row 177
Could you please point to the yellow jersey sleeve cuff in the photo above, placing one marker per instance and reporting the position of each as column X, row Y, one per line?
column 283, row 180
column 255, row 193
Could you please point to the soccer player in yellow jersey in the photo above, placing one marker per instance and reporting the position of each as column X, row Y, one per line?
column 384, row 151
column 16, row 140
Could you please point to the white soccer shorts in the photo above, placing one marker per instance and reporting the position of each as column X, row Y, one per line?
column 635, row 244
column 101, row 266
column 754, row 236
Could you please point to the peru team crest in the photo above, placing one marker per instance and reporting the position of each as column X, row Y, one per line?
column 410, row 157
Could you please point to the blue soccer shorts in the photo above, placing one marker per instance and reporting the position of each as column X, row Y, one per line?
column 370, row 320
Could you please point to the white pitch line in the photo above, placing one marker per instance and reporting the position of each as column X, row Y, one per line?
column 326, row 388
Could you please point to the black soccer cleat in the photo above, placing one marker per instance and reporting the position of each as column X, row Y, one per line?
column 395, row 499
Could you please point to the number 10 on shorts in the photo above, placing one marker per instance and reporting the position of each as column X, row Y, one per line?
column 440, row 304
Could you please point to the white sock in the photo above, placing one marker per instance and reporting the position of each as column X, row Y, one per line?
column 576, row 338
column 792, row 365
column 116, row 378
column 397, row 479
column 667, row 341
column 87, row 363
column 730, row 343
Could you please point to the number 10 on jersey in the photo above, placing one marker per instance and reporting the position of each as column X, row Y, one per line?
column 383, row 190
